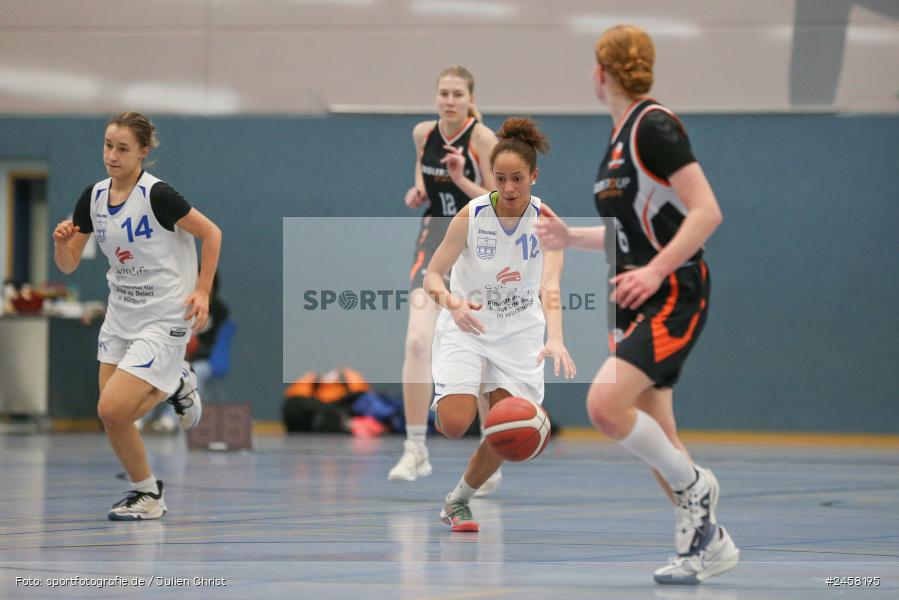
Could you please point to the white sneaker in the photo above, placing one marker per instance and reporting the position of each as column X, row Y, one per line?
column 458, row 516
column 695, row 512
column 412, row 464
column 139, row 506
column 719, row 556
column 490, row 485
column 186, row 399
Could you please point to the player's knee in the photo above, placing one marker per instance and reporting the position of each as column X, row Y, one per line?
column 453, row 428
column 112, row 414
column 418, row 346
column 601, row 408
column 452, row 425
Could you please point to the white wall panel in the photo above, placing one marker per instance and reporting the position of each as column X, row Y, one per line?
column 126, row 14
column 476, row 14
column 102, row 72
column 289, row 72
column 300, row 56
column 295, row 71
column 256, row 14
column 870, row 70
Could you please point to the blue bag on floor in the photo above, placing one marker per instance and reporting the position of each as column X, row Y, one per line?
column 387, row 410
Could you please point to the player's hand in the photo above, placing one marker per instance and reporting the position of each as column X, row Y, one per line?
column 462, row 313
column 65, row 231
column 562, row 361
column 415, row 198
column 551, row 230
column 454, row 161
column 199, row 309
column 634, row 287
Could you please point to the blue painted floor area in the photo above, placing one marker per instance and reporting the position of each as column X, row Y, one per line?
column 314, row 517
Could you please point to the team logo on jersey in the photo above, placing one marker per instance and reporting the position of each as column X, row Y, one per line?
column 101, row 228
column 617, row 156
column 486, row 248
column 507, row 276
column 434, row 171
column 123, row 255
column 611, row 187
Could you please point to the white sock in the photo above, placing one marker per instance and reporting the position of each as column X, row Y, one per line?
column 417, row 434
column 648, row 441
column 147, row 485
column 463, row 491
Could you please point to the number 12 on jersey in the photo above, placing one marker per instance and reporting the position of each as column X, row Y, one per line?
column 449, row 203
column 523, row 242
column 143, row 228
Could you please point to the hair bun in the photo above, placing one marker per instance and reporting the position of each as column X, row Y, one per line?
column 524, row 130
column 636, row 76
column 627, row 52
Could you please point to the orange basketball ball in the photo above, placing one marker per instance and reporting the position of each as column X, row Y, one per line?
column 517, row 429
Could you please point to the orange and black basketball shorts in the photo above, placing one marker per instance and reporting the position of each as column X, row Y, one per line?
column 658, row 336
column 430, row 235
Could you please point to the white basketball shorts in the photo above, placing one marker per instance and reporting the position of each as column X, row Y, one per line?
column 461, row 362
column 150, row 360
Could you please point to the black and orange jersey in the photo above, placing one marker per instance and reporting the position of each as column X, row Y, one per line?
column 641, row 210
column 446, row 198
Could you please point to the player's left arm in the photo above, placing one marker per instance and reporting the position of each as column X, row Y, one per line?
column 703, row 217
column 551, row 301
column 201, row 227
column 667, row 155
column 634, row 287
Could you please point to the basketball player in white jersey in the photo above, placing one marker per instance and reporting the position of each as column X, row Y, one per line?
column 146, row 230
column 451, row 167
column 503, row 298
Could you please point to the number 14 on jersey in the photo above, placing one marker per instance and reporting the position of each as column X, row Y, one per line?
column 143, row 228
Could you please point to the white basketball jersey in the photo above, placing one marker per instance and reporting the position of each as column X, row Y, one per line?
column 152, row 270
column 501, row 270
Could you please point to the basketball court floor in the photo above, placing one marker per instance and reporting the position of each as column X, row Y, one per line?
column 314, row 517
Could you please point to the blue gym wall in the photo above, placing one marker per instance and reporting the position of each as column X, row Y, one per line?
column 803, row 325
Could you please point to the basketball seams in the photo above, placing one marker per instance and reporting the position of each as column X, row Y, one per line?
column 543, row 431
column 517, row 429
column 534, row 422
